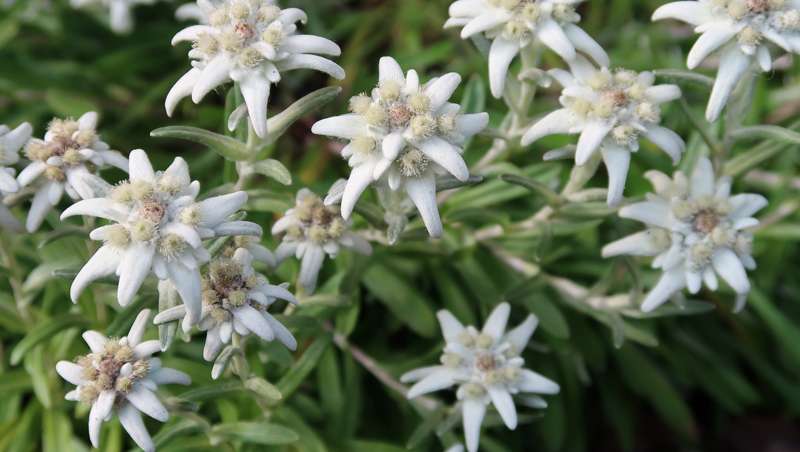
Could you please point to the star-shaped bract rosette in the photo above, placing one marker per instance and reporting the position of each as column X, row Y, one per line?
column 740, row 31
column 121, row 376
column 487, row 367
column 696, row 231
column 515, row 25
column 249, row 42
column 610, row 110
column 158, row 226
column 405, row 134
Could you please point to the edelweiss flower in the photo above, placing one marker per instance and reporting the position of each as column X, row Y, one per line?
column 487, row 368
column 610, row 110
column 158, row 226
column 514, row 25
column 407, row 132
column 119, row 11
column 235, row 299
column 695, row 228
column 312, row 230
column 119, row 375
column 66, row 160
column 250, row 42
column 11, row 141
column 741, row 31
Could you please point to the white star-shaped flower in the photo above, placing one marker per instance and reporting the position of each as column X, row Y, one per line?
column 250, row 42
column 119, row 11
column 610, row 110
column 311, row 230
column 159, row 227
column 487, row 368
column 66, row 160
column 404, row 134
column 235, row 299
column 740, row 30
column 696, row 231
column 11, row 141
column 513, row 25
column 120, row 376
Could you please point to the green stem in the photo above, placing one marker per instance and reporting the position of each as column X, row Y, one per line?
column 712, row 144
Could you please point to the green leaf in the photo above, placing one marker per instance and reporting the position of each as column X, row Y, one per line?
column 587, row 210
column 303, row 367
column 34, row 365
column 254, row 433
column 273, row 169
column 14, row 381
column 688, row 307
column 43, row 331
column 280, row 123
column 768, row 132
column 746, row 161
column 784, row 330
column 225, row 146
column 550, row 317
column 212, row 391
column 402, row 298
column 550, row 197
column 681, row 75
column 474, row 98
column 67, row 104
column 650, row 382
column 263, row 388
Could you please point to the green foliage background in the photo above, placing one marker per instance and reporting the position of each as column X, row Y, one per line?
column 710, row 381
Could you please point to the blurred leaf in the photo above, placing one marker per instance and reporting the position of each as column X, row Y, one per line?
column 227, row 147
column 263, row 388
column 254, row 433
column 273, row 169
column 767, row 132
column 303, row 367
column 550, row 197
column 278, row 124
column 68, row 105
column 402, row 298
column 43, row 331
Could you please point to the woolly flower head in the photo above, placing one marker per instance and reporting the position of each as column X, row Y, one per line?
column 159, row 226
column 696, row 231
column 120, row 375
column 66, row 160
column 235, row 299
column 610, row 110
column 250, row 42
column 487, row 368
column 514, row 25
column 741, row 31
column 310, row 231
column 119, row 11
column 405, row 134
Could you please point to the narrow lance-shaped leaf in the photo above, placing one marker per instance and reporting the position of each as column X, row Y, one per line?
column 225, row 146
column 278, row 124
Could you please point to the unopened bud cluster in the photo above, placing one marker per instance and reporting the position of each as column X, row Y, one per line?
column 62, row 148
column 620, row 97
column 242, row 29
column 115, row 368
column 316, row 221
column 489, row 362
column 226, row 287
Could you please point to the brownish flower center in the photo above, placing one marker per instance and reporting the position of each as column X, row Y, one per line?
column 399, row 114
column 757, row 6
column 705, row 221
column 485, row 362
